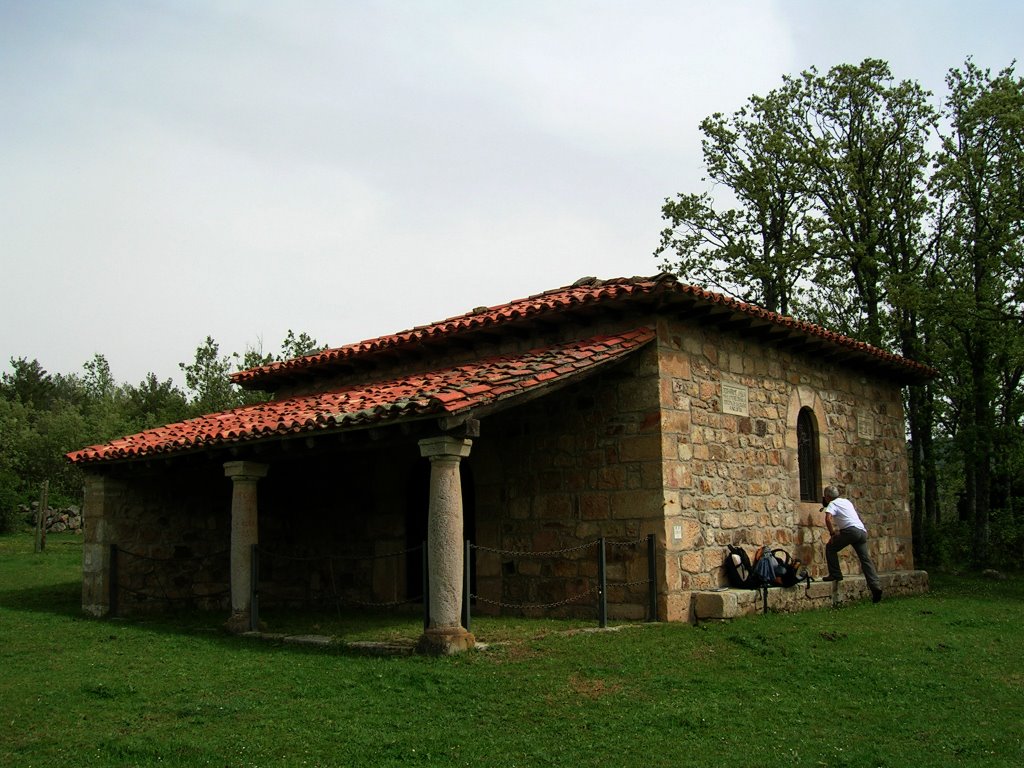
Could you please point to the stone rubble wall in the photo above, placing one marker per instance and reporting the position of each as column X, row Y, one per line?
column 58, row 520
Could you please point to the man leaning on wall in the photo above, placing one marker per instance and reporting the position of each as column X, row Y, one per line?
column 847, row 529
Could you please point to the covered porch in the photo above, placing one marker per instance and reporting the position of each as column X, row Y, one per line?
column 351, row 483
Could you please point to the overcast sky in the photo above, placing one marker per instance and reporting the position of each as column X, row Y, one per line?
column 172, row 170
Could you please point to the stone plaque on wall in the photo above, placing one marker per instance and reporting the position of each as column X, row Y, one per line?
column 865, row 426
column 735, row 399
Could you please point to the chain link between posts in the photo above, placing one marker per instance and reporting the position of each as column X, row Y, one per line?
column 339, row 600
column 595, row 590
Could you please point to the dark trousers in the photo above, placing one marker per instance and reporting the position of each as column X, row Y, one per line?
column 858, row 539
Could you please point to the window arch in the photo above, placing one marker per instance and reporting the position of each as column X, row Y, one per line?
column 808, row 457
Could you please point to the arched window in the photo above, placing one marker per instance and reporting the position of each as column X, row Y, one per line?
column 807, row 455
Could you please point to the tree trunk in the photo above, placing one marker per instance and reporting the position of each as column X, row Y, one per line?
column 917, row 519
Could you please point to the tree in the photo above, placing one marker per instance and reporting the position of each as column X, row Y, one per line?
column 915, row 251
column 28, row 383
column 299, row 346
column 206, row 377
column 153, row 402
column 863, row 139
column 980, row 179
column 756, row 251
column 831, row 175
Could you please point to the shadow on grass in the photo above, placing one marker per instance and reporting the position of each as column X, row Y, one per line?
column 63, row 602
column 352, row 632
column 60, row 599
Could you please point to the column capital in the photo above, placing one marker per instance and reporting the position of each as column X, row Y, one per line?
column 456, row 447
column 245, row 470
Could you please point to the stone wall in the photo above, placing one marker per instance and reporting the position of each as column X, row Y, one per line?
column 327, row 520
column 648, row 447
column 171, row 531
column 58, row 520
column 734, row 478
column 561, row 472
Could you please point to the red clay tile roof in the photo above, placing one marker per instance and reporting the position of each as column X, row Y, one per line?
column 662, row 292
column 444, row 392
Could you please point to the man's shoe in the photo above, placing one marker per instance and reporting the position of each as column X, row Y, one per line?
column 833, row 578
column 876, row 595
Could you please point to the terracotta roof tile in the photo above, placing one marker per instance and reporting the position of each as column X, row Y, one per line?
column 447, row 391
column 661, row 289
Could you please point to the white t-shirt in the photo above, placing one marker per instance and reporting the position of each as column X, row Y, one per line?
column 844, row 514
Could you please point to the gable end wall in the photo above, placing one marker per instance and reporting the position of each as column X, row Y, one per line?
column 734, row 479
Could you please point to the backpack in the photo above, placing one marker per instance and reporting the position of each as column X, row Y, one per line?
column 767, row 569
column 789, row 571
column 738, row 569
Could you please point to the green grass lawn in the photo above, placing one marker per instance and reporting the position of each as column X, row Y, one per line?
column 934, row 680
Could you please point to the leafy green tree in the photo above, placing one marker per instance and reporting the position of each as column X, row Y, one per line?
column 32, row 447
column 153, row 402
column 14, row 421
column 830, row 172
column 758, row 250
column 863, row 139
column 206, row 378
column 980, row 181
column 28, row 383
column 102, row 401
column 299, row 346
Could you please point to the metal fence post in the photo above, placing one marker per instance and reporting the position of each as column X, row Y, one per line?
column 602, row 587
column 466, row 618
column 254, row 590
column 652, row 576
column 112, row 582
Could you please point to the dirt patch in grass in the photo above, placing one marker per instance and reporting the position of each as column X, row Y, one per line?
column 592, row 688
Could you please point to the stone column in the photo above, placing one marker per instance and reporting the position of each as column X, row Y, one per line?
column 102, row 496
column 445, row 635
column 244, row 533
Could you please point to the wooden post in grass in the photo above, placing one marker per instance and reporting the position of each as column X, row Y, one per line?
column 44, row 500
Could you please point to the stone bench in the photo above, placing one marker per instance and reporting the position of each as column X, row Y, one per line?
column 727, row 603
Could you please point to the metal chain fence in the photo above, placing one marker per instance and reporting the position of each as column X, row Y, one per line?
column 165, row 592
column 600, row 589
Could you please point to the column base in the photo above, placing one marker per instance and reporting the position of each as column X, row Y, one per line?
column 239, row 623
column 445, row 641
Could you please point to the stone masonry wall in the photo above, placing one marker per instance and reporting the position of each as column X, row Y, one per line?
column 734, row 478
column 331, row 526
column 563, row 471
column 172, row 533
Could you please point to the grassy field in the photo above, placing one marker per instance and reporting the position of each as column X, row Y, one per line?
column 936, row 680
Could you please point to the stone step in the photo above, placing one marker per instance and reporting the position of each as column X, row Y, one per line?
column 727, row 603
